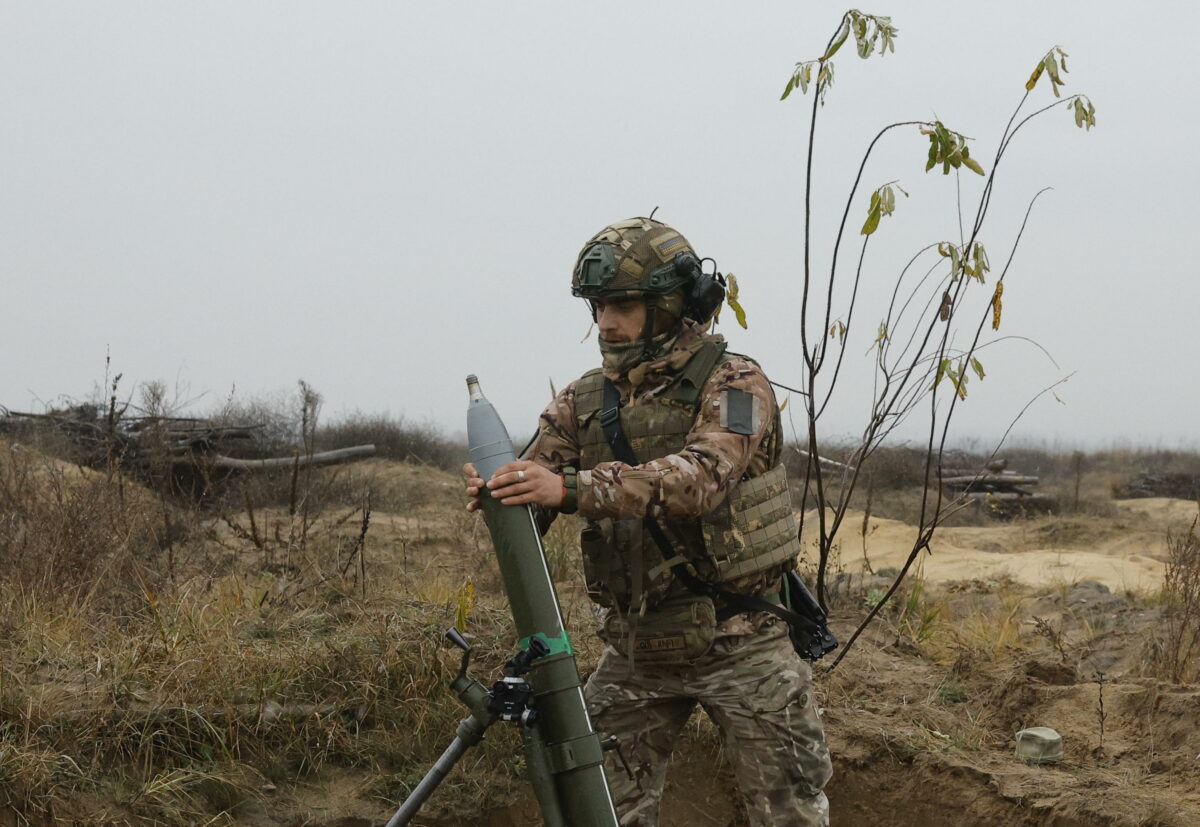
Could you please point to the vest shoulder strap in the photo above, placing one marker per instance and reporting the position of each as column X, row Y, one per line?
column 686, row 389
column 729, row 354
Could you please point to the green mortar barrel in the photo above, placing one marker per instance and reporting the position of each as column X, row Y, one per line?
column 566, row 745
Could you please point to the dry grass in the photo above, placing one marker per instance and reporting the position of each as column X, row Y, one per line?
column 175, row 694
column 983, row 631
column 1176, row 645
column 71, row 530
column 204, row 688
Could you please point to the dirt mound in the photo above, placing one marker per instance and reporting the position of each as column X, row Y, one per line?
column 22, row 465
column 918, row 742
column 1041, row 552
column 1161, row 511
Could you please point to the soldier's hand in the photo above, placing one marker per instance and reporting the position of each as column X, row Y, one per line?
column 523, row 482
column 474, row 483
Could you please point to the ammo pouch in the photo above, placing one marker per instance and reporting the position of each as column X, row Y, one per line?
column 754, row 529
column 621, row 566
column 678, row 630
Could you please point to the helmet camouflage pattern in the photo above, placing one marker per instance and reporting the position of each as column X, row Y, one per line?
column 632, row 259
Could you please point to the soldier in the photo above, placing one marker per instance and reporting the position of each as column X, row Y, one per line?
column 700, row 499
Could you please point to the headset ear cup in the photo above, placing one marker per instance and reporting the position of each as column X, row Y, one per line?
column 705, row 296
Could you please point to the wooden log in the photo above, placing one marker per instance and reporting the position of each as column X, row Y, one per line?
column 223, row 463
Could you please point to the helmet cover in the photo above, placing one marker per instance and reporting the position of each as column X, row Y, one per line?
column 635, row 258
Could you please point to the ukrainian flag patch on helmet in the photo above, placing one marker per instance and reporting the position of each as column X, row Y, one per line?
column 666, row 247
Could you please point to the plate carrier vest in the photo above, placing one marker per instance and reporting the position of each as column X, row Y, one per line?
column 752, row 531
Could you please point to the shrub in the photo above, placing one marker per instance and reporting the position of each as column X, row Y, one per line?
column 394, row 438
column 1178, row 640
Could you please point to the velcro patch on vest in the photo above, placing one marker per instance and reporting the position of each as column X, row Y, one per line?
column 739, row 413
column 660, row 643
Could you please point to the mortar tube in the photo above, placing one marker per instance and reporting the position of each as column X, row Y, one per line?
column 572, row 750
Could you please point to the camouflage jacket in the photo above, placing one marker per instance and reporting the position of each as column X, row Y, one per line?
column 689, row 483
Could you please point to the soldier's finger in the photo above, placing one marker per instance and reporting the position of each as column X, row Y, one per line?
column 499, row 480
column 508, row 491
column 516, row 467
column 520, row 499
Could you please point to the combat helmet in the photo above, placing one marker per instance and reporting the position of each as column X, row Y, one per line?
column 646, row 259
column 636, row 258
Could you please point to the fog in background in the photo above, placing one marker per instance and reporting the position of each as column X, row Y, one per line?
column 381, row 198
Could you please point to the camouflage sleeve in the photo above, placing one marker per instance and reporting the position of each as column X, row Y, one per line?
column 736, row 415
column 557, row 441
column 555, row 445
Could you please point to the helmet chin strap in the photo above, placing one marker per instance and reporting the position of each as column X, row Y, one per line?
column 648, row 329
column 651, row 350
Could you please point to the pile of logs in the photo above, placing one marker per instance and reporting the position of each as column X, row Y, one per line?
column 1004, row 492
column 1177, row 486
column 191, row 454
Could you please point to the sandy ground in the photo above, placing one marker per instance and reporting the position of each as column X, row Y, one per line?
column 1125, row 553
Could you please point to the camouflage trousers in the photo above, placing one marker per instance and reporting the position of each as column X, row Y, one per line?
column 758, row 692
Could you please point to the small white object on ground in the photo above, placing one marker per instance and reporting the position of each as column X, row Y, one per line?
column 1039, row 745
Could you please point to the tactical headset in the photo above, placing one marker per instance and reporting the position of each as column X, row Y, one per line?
column 705, row 291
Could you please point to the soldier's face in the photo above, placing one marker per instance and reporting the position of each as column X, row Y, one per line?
column 620, row 321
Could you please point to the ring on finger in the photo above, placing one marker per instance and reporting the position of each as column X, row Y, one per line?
column 521, row 475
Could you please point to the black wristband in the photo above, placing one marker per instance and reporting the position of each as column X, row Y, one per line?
column 570, row 501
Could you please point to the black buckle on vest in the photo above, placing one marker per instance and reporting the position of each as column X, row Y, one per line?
column 610, row 410
column 610, row 422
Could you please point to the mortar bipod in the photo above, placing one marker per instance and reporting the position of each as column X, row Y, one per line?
column 508, row 700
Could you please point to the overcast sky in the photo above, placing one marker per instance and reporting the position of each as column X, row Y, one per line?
column 381, row 198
